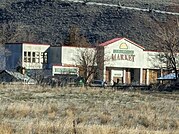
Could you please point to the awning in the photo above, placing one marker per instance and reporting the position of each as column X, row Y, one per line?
column 170, row 76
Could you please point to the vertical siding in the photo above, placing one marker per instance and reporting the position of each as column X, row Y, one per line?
column 55, row 56
column 144, row 76
column 153, row 76
column 14, row 56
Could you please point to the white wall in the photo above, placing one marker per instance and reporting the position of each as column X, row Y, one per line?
column 34, row 48
column 134, row 61
column 142, row 58
column 70, row 55
column 152, row 60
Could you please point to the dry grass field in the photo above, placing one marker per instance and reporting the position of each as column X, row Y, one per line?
column 44, row 110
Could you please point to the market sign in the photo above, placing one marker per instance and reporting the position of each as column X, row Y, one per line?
column 123, row 53
column 129, row 52
column 65, row 70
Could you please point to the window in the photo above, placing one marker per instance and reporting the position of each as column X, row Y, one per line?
column 25, row 56
column 29, row 57
column 29, row 54
column 37, row 57
column 33, row 57
column 41, row 57
column 33, row 54
column 45, row 58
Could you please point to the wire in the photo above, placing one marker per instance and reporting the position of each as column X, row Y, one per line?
column 122, row 7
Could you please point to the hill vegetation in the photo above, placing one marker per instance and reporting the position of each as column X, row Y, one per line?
column 49, row 21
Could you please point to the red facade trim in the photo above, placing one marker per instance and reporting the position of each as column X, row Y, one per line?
column 117, row 39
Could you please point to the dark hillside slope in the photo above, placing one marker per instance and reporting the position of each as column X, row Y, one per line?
column 49, row 21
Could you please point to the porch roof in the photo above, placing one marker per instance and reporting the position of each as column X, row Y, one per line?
column 170, row 76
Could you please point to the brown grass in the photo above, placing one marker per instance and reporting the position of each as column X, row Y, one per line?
column 44, row 110
column 5, row 129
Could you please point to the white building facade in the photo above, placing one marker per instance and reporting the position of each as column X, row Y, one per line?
column 28, row 55
column 122, row 60
column 130, row 63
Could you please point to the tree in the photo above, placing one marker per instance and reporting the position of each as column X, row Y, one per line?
column 75, row 39
column 168, row 44
column 16, row 32
column 86, row 60
column 13, row 32
column 90, row 61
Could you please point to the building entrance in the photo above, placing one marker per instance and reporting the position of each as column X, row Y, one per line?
column 118, row 79
column 135, row 76
column 117, row 76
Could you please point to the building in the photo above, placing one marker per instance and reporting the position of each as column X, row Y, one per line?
column 121, row 60
column 66, row 55
column 68, row 58
column 28, row 55
column 130, row 63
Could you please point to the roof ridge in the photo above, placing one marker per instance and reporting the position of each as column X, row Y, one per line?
column 110, row 41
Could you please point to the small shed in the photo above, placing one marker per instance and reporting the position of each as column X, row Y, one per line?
column 14, row 77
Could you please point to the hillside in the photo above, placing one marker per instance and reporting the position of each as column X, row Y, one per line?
column 49, row 21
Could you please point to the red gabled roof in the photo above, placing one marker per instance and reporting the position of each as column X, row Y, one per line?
column 110, row 41
column 117, row 39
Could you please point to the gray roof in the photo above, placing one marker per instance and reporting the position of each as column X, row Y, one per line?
column 21, row 77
